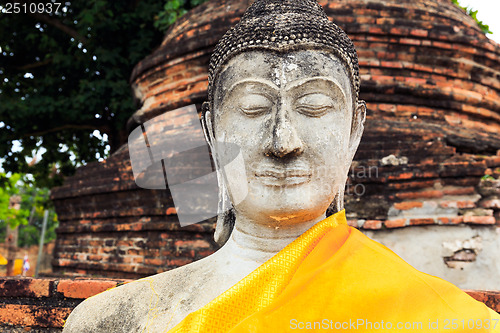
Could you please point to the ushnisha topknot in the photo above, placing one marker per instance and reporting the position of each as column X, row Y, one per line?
column 283, row 25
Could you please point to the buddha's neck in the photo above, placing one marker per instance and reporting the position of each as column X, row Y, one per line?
column 256, row 243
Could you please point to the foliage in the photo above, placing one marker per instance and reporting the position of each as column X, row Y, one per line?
column 472, row 13
column 10, row 216
column 29, row 218
column 172, row 10
column 29, row 234
column 487, row 177
column 65, row 75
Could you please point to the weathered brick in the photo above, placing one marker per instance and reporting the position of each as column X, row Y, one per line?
column 33, row 315
column 459, row 191
column 25, row 287
column 451, row 220
column 178, row 262
column 466, row 204
column 83, row 288
column 352, row 223
column 409, row 41
column 396, row 223
column 139, row 260
column 171, row 211
column 372, row 224
column 426, row 194
column 448, row 204
column 391, row 64
column 387, row 107
column 480, row 219
column 402, row 175
column 442, row 45
column 398, row 31
column 490, row 203
column 408, row 205
column 154, row 261
column 423, row 221
column 125, row 243
column 419, row 32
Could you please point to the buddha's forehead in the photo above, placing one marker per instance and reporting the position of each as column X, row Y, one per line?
column 282, row 70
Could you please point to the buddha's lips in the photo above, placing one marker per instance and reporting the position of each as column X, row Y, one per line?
column 275, row 177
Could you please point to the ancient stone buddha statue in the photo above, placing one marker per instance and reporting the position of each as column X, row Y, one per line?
column 283, row 87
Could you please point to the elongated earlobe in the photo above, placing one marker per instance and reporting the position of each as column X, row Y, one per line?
column 206, row 124
column 337, row 204
column 357, row 128
column 339, row 198
column 225, row 211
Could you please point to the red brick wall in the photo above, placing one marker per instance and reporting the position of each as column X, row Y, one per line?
column 42, row 305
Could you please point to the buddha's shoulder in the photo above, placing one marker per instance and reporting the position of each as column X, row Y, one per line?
column 129, row 307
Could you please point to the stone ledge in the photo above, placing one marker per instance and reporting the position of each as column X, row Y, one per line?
column 42, row 305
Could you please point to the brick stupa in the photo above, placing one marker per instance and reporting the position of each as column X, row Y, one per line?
column 431, row 81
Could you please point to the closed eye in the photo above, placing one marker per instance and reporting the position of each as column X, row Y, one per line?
column 314, row 110
column 255, row 104
column 314, row 105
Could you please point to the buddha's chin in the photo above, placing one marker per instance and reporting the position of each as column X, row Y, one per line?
column 281, row 219
column 291, row 211
column 297, row 194
column 295, row 217
column 301, row 202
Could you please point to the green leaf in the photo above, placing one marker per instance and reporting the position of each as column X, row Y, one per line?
column 473, row 13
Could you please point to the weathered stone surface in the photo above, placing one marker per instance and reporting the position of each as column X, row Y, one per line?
column 463, row 254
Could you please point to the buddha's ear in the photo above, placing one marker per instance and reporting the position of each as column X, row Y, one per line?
column 206, row 124
column 225, row 212
column 357, row 128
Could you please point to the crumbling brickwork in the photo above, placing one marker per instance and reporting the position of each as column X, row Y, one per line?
column 42, row 305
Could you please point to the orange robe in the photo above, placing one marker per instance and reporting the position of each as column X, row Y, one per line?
column 335, row 278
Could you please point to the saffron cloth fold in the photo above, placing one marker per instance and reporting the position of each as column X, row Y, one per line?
column 335, row 278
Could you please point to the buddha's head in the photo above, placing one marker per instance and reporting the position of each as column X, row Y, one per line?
column 283, row 87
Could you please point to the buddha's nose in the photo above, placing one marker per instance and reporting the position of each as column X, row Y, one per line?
column 285, row 140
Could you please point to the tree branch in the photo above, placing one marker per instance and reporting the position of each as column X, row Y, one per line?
column 64, row 127
column 59, row 25
column 35, row 64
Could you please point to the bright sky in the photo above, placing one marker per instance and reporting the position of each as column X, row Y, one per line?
column 488, row 12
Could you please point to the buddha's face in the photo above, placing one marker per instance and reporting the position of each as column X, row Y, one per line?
column 291, row 115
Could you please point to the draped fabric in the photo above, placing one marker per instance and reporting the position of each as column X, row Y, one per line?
column 334, row 278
